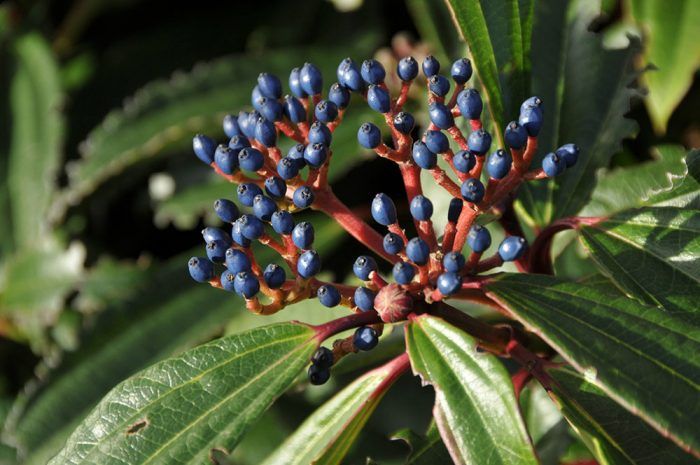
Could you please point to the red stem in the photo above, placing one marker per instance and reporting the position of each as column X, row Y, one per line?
column 339, row 325
column 540, row 251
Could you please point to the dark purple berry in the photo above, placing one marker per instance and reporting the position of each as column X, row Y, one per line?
column 282, row 222
column 553, row 165
column 328, row 295
column 383, row 209
column 251, row 227
column 448, row 283
column 295, row 83
column 363, row 266
column 318, row 375
column 303, row 197
column 499, row 164
column 417, row 251
column 404, row 122
column 270, row 109
column 531, row 119
column 293, row 109
column 378, row 99
column 365, row 338
column 246, row 284
column 568, row 153
column 421, row 208
column 250, row 159
column 270, row 85
column 303, row 235
column 326, row 111
column 215, row 234
column 315, row 155
column 265, row 132
column 226, row 210
column 403, row 272
column 226, row 159
column 473, row 190
column 287, row 168
column 454, row 210
column 423, row 156
column 274, row 276
column 230, row 125
column 275, row 187
column 322, row 358
column 431, row 66
column 453, row 261
column 407, row 69
column 228, row 281
column 464, row 161
column 392, row 243
column 369, row 136
column 309, row 264
column 311, row 79
column 364, row 299
column 237, row 261
column 237, row 234
column 204, row 148
column 470, row 104
column 479, row 142
column 531, row 102
column 515, row 135
column 247, row 192
column 264, row 207
column 461, row 70
column 439, row 85
column 479, row 238
column 512, row 248
column 440, row 115
column 320, row 134
column 339, row 95
column 372, row 72
column 201, row 269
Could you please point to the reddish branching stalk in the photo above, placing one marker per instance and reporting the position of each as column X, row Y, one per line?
column 339, row 325
column 540, row 252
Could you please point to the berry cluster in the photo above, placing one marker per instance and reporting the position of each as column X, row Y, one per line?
column 272, row 186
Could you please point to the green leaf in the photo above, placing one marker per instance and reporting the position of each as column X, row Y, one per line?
column 686, row 190
column 34, row 151
column 425, row 450
column 611, row 433
column 585, row 92
column 653, row 254
column 436, row 28
column 630, row 187
column 327, row 435
column 475, row 407
column 645, row 359
column 672, row 48
column 496, row 40
column 181, row 408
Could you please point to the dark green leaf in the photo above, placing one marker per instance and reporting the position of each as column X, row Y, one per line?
column 475, row 406
column 686, row 190
column 180, row 409
column 611, row 433
column 645, row 359
column 425, row 450
column 653, row 254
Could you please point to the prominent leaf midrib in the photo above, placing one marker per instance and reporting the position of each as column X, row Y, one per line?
column 177, row 388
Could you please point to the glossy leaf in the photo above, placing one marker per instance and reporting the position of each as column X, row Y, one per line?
column 425, row 450
column 685, row 191
column 181, row 408
column 327, row 435
column 611, row 433
column 36, row 137
column 653, row 254
column 644, row 358
column 495, row 37
column 475, row 407
column 673, row 51
column 585, row 92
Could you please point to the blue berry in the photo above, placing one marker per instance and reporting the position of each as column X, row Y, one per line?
column 303, row 235
column 421, row 208
column 515, row 135
column 236, row 143
column 244, row 124
column 293, row 109
column 328, row 295
column 303, row 197
column 282, row 222
column 448, row 283
column 392, row 243
column 204, row 148
column 326, row 111
column 274, row 276
column 201, row 269
column 287, row 168
column 265, row 132
column 228, row 280
column 364, row 298
column 407, row 69
column 437, row 141
column 247, row 192
column 464, row 161
column 237, row 234
column 499, row 164
column 275, row 187
column 246, row 284
column 369, row 136
column 226, row 159
column 403, row 272
column 251, row 227
column 250, row 159
column 230, row 125
column 431, row 66
column 473, row 190
column 309, row 264
column 470, row 104
column 423, row 156
column 270, row 85
column 568, row 153
column 531, row 119
column 439, row 85
column 553, row 165
column 440, row 115
column 270, row 109
column 363, row 266
column 479, row 238
column 256, row 98
column 295, row 83
column 479, row 141
column 322, row 358
column 531, row 102
column 512, row 248
column 365, row 338
column 383, row 210
column 320, row 134
column 339, row 95
column 453, row 261
column 237, row 261
column 315, row 154
column 372, row 72
column 226, row 210
column 454, row 210
column 417, row 251
column 378, row 99
column 318, row 375
column 296, row 153
column 349, row 75
column 264, row 207
column 404, row 122
column 311, row 79
column 461, row 70
column 215, row 234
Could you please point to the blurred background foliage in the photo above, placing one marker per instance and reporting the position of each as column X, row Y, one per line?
column 101, row 201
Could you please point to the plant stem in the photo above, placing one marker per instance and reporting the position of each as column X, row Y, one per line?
column 339, row 325
column 540, row 251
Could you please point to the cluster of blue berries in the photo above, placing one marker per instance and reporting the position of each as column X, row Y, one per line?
column 273, row 185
